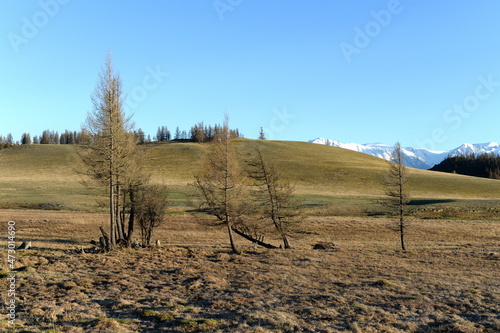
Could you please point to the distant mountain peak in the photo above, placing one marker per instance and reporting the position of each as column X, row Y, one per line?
column 419, row 158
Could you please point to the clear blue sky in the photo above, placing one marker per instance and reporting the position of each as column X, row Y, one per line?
column 425, row 73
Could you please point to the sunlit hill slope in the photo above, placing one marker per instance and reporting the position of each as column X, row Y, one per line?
column 46, row 176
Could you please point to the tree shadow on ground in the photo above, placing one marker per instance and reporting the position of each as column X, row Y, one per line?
column 423, row 202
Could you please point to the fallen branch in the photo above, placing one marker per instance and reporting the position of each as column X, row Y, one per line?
column 253, row 239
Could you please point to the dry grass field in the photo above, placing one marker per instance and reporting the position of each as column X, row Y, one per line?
column 448, row 281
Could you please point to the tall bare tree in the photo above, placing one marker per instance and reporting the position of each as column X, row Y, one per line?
column 112, row 157
column 396, row 188
column 275, row 195
column 221, row 183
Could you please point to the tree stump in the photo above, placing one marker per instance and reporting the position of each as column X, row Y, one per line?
column 24, row 246
column 104, row 240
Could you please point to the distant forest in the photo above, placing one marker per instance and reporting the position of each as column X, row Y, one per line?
column 198, row 133
column 483, row 165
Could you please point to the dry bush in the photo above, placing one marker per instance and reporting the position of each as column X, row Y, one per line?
column 150, row 210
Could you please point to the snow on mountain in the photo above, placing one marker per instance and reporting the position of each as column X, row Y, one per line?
column 419, row 158
column 477, row 149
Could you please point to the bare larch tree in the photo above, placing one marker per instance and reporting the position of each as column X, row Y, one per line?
column 111, row 158
column 395, row 182
column 274, row 194
column 221, row 183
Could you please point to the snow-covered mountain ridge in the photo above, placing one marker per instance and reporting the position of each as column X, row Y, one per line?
column 419, row 158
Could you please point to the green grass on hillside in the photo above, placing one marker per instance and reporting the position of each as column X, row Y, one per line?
column 44, row 176
column 337, row 172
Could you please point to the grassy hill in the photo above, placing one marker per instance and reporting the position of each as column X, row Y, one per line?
column 45, row 176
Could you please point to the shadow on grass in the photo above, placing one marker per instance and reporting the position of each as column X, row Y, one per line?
column 423, row 202
column 66, row 240
column 54, row 244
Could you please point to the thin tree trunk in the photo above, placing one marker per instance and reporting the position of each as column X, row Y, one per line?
column 401, row 207
column 104, row 240
column 112, row 241
column 143, row 236
column 131, row 220
column 150, row 232
column 119, row 217
column 401, row 231
column 103, row 244
column 231, row 239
